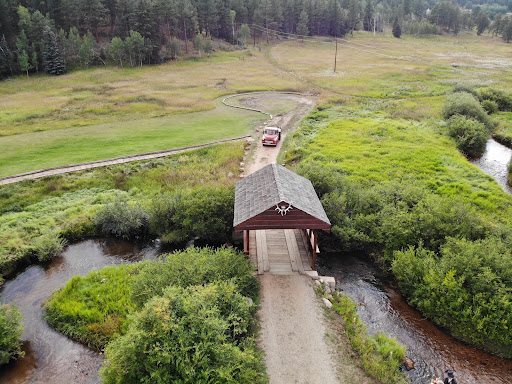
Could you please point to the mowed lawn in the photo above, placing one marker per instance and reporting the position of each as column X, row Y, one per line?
column 38, row 150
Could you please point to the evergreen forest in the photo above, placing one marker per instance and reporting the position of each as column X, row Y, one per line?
column 51, row 36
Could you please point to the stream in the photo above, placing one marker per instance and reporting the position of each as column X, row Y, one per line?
column 494, row 162
column 51, row 357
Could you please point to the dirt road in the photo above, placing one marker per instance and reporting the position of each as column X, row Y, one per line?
column 293, row 326
column 293, row 332
column 289, row 121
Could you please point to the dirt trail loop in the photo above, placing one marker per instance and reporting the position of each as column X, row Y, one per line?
column 293, row 326
column 288, row 121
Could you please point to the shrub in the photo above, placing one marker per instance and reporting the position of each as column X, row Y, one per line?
column 470, row 135
column 205, row 212
column 381, row 355
column 195, row 266
column 465, row 88
column 465, row 287
column 502, row 99
column 10, row 332
column 189, row 335
column 462, row 103
column 490, row 106
column 121, row 219
column 317, row 115
column 48, row 245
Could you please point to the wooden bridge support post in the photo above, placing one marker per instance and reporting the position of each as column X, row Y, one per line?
column 315, row 242
column 246, row 241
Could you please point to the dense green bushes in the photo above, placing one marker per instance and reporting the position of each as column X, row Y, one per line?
column 205, row 212
column 390, row 216
column 463, row 103
column 378, row 353
column 502, row 99
column 194, row 325
column 122, row 219
column 10, row 333
column 466, row 287
column 194, row 266
column 187, row 335
column 93, row 309
column 470, row 135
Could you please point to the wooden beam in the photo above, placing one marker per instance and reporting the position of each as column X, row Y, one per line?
column 246, row 242
column 259, row 253
column 293, row 251
column 315, row 248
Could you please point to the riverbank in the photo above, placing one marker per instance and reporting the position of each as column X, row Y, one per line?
column 401, row 189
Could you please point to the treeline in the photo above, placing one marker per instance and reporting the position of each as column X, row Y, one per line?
column 37, row 35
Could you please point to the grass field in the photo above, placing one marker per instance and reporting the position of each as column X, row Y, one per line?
column 38, row 150
column 107, row 112
column 388, row 68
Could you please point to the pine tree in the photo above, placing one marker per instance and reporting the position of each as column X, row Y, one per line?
column 53, row 62
column 6, row 58
column 397, row 31
column 353, row 14
column 368, row 16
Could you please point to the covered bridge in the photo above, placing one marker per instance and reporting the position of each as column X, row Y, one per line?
column 280, row 215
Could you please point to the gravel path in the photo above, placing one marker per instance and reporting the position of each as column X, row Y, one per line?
column 292, row 332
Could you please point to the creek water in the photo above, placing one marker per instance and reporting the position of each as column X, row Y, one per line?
column 51, row 357
column 495, row 161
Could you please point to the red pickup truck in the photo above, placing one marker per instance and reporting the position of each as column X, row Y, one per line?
column 271, row 135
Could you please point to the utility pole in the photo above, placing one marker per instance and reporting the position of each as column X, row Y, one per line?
column 336, row 53
column 254, row 35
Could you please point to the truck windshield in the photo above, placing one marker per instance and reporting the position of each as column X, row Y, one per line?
column 271, row 131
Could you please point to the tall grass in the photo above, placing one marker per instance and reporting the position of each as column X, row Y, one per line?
column 381, row 355
column 38, row 216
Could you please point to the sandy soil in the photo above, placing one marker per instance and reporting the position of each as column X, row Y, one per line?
column 264, row 155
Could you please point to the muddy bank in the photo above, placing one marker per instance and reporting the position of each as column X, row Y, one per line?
column 51, row 357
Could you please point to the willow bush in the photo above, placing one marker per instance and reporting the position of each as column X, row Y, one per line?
column 10, row 333
column 190, row 335
column 470, row 135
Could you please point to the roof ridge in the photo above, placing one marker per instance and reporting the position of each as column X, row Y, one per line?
column 280, row 188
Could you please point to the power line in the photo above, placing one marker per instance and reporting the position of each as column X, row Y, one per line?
column 350, row 43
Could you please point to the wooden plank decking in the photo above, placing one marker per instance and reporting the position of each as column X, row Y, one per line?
column 279, row 251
